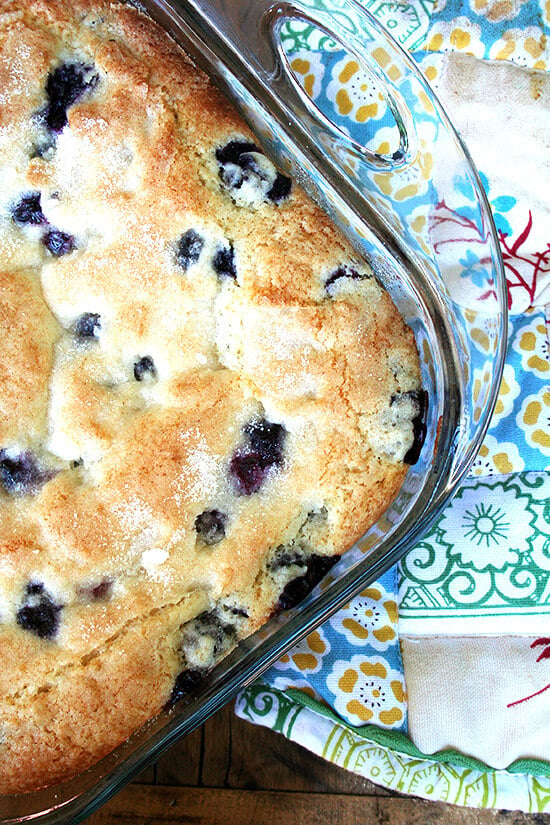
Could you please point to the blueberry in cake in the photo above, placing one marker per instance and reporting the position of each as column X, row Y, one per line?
column 205, row 397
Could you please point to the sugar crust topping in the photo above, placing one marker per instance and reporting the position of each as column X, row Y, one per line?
column 199, row 406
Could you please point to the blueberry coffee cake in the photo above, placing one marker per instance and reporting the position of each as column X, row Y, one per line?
column 205, row 395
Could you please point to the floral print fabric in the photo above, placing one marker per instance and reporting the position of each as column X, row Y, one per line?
column 352, row 663
column 515, row 30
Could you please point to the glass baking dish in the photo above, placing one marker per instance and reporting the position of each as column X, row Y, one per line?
column 440, row 262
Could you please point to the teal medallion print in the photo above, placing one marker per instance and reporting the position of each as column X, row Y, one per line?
column 487, row 555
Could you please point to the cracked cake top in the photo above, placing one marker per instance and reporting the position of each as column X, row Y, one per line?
column 205, row 394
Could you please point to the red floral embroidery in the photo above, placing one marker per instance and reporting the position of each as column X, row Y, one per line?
column 444, row 215
column 532, row 264
column 544, row 654
column 522, row 268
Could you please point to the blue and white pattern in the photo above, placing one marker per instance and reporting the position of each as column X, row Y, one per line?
column 521, row 417
column 355, row 654
column 517, row 30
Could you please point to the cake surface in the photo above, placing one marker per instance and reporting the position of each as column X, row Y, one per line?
column 205, row 395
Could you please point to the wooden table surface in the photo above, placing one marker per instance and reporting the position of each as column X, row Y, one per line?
column 230, row 772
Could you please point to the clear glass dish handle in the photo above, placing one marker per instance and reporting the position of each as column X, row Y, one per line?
column 253, row 28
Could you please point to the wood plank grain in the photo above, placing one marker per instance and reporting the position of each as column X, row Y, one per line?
column 231, row 753
column 218, row 749
column 148, row 776
column 263, row 759
column 157, row 805
column 182, row 764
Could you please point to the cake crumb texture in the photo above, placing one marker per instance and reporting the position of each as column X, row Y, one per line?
column 200, row 408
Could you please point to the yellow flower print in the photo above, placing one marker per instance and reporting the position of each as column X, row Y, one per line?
column 370, row 618
column 284, row 681
column 532, row 344
column 435, row 42
column 508, row 392
column 431, row 73
column 308, row 69
column 497, row 10
column 386, row 141
column 483, row 386
column 406, row 183
column 526, row 47
column 457, row 35
column 307, row 656
column 412, row 179
column 419, row 225
column 483, row 330
column 368, row 691
column 534, row 419
column 355, row 93
column 497, row 458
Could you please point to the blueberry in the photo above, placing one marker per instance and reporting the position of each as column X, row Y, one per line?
column 235, row 611
column 232, row 151
column 267, row 439
column 286, row 558
column 262, row 450
column 420, row 404
column 280, row 189
column 207, row 636
column 87, row 325
column 343, row 272
column 28, row 210
column 58, row 243
column 238, row 162
column 189, row 249
column 247, row 168
column 21, row 474
column 204, row 640
column 214, row 625
column 248, row 163
column 39, row 613
column 224, row 262
column 247, row 473
column 65, row 86
column 210, row 526
column 186, row 682
column 102, row 591
column 145, row 368
column 297, row 589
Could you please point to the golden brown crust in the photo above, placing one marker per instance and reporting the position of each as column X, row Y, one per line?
column 104, row 569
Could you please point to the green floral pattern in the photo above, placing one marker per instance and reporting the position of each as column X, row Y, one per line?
column 392, row 761
column 407, row 22
column 488, row 554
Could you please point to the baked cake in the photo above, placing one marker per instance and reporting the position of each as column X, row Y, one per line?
column 205, row 394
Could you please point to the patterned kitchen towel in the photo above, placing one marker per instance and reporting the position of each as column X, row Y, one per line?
column 475, row 592
column 389, row 758
column 474, row 595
